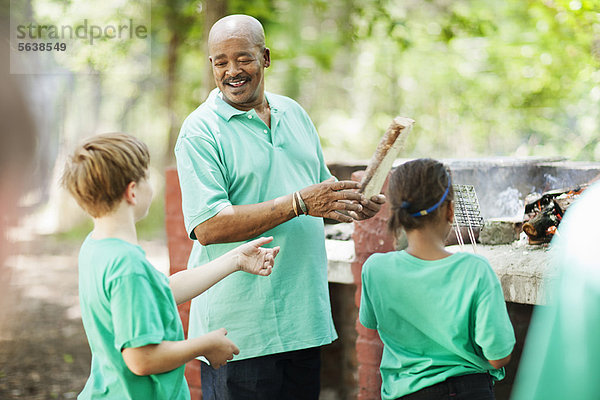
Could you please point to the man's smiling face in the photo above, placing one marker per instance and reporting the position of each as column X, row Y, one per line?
column 238, row 66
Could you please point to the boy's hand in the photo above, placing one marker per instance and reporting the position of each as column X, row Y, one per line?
column 221, row 349
column 257, row 260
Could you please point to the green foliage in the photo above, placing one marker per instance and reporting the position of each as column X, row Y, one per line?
column 485, row 77
column 87, row 54
column 479, row 77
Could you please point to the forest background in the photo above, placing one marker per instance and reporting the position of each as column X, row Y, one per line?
column 481, row 78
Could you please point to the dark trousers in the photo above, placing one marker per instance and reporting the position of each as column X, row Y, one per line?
column 464, row 387
column 293, row 375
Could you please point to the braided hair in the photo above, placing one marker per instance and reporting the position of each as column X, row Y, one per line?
column 416, row 191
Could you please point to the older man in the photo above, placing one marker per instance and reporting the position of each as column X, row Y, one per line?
column 249, row 164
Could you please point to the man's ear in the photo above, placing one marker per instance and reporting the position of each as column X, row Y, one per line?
column 130, row 193
column 267, row 57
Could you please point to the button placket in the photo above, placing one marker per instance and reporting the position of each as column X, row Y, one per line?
column 274, row 122
column 256, row 125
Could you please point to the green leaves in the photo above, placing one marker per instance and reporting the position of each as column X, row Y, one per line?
column 480, row 77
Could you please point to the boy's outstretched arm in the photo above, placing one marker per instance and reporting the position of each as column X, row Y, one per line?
column 497, row 364
column 166, row 356
column 249, row 257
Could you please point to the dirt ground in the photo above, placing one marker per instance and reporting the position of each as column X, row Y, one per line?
column 43, row 349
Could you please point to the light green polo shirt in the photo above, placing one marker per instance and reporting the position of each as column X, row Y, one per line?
column 436, row 319
column 230, row 157
column 125, row 302
column 562, row 350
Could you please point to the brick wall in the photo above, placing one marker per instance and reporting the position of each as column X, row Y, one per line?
column 179, row 249
column 370, row 236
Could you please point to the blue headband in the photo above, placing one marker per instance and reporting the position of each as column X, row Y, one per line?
column 406, row 204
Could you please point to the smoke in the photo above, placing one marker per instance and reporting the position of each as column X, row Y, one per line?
column 509, row 204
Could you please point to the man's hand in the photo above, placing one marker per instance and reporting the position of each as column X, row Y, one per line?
column 220, row 349
column 370, row 208
column 328, row 199
column 257, row 260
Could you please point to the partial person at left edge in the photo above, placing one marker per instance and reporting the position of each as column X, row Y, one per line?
column 18, row 145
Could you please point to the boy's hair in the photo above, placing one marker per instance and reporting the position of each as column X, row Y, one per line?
column 99, row 170
column 415, row 186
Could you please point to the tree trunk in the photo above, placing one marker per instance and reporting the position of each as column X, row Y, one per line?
column 214, row 10
column 172, row 60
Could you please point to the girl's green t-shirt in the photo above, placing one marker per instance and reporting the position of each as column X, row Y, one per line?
column 436, row 319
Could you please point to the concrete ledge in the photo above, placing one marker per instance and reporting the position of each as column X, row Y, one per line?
column 524, row 270
column 340, row 255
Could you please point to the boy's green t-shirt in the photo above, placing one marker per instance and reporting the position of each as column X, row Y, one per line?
column 436, row 319
column 126, row 302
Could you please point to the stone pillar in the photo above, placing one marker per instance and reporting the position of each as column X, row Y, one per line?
column 180, row 245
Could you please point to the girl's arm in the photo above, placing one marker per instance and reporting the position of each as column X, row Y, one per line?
column 497, row 364
column 249, row 257
column 166, row 356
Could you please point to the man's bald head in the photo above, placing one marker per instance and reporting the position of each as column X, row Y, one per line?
column 238, row 25
column 238, row 56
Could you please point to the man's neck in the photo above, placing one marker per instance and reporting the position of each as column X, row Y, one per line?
column 119, row 224
column 264, row 112
column 262, row 108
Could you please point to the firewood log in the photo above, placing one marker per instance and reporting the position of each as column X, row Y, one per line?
column 387, row 151
column 546, row 211
column 537, row 226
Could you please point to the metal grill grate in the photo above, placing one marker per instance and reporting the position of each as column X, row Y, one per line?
column 466, row 207
column 466, row 213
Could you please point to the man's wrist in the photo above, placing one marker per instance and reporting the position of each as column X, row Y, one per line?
column 301, row 203
column 295, row 204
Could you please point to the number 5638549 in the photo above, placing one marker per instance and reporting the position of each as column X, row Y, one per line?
column 42, row 46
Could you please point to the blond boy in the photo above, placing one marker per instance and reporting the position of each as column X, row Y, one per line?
column 128, row 307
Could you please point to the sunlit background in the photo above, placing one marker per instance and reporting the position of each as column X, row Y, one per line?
column 481, row 78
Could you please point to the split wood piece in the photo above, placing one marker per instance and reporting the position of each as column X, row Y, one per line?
column 387, row 151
